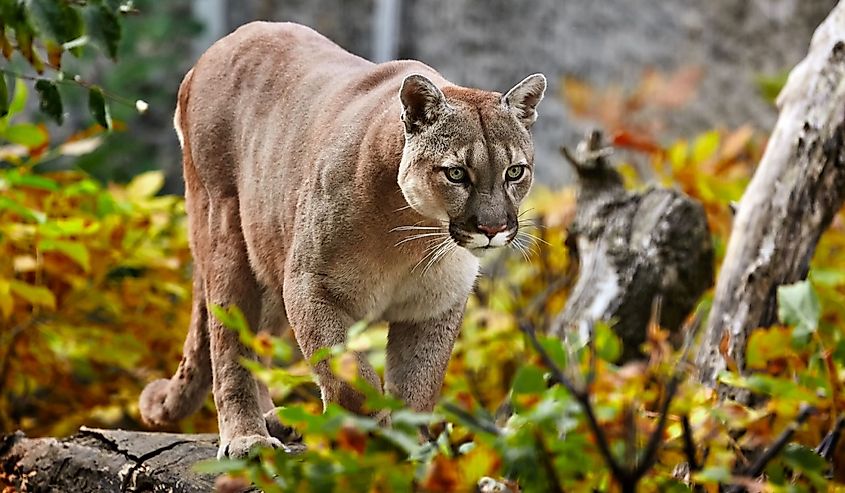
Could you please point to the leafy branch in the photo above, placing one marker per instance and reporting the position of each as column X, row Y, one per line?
column 626, row 476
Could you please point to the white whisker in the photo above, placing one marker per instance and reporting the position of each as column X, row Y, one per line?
column 415, row 228
column 431, row 251
column 418, row 236
column 535, row 238
column 443, row 251
column 526, row 211
column 517, row 243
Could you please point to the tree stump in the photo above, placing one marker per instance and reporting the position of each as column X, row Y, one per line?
column 632, row 248
column 97, row 460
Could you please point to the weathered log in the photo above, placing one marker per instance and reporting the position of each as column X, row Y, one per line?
column 633, row 248
column 792, row 198
column 97, row 460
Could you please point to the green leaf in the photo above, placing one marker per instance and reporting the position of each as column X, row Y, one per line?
column 771, row 85
column 103, row 28
column 18, row 98
column 554, row 347
column 21, row 210
column 73, row 250
column 57, row 19
column 4, row 96
column 408, row 444
column 35, row 295
column 608, row 345
column 829, row 277
column 231, row 317
column 713, row 474
column 99, row 108
column 18, row 179
column 765, row 345
column 222, row 466
column 805, row 460
column 529, row 380
column 798, row 306
column 783, row 388
column 50, row 100
column 26, row 134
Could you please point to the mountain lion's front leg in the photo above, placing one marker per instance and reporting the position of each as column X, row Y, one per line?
column 230, row 281
column 417, row 357
column 319, row 323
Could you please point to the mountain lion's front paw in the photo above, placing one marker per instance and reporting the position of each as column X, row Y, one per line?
column 239, row 447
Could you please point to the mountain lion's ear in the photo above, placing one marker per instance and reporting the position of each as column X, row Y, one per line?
column 523, row 99
column 422, row 102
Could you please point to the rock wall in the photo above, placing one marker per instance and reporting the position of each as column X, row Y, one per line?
column 494, row 43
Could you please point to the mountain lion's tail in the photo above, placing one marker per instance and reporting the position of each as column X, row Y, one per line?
column 166, row 401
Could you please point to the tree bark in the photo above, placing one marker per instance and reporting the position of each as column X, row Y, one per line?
column 97, row 460
column 797, row 189
column 633, row 248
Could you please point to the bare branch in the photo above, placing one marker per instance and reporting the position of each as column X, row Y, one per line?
column 689, row 445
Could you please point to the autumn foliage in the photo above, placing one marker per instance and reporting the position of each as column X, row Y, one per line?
column 94, row 303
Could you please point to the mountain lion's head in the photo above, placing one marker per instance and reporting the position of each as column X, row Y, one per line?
column 468, row 159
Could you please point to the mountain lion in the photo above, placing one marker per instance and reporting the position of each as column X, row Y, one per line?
column 323, row 189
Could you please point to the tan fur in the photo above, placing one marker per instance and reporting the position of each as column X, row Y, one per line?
column 305, row 169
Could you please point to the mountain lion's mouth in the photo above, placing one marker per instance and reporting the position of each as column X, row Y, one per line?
column 480, row 243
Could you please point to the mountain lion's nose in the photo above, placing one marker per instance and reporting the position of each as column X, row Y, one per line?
column 491, row 231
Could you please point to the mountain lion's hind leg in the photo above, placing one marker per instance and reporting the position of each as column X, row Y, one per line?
column 230, row 281
column 417, row 357
column 275, row 323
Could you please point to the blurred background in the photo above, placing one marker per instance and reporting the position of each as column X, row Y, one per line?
column 96, row 298
column 711, row 64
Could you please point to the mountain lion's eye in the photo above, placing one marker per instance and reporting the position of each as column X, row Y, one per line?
column 456, row 175
column 515, row 172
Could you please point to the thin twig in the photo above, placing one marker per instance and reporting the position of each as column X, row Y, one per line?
column 583, row 398
column 591, row 345
column 775, row 448
column 656, row 438
column 76, row 80
column 689, row 445
column 471, row 419
column 828, row 444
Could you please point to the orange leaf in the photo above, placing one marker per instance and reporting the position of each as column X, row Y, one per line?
column 351, row 439
column 634, row 142
column 733, row 145
column 442, row 476
column 724, row 349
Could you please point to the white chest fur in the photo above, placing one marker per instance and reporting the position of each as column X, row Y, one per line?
column 422, row 294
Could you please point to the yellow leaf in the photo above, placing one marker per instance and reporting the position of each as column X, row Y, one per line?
column 145, row 185
column 35, row 295
column 75, row 251
column 6, row 303
column 705, row 146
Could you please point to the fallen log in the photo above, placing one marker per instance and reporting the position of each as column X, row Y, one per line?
column 796, row 190
column 96, row 460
